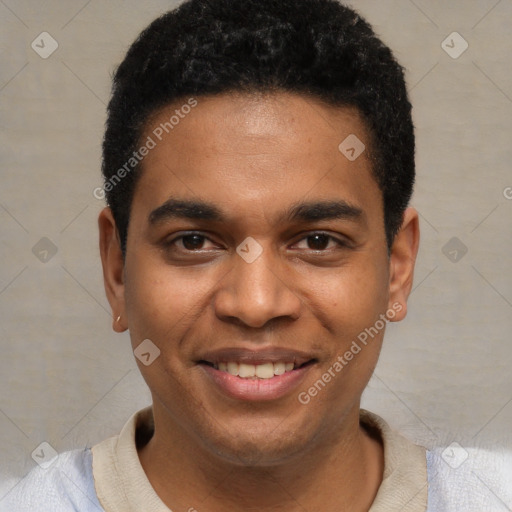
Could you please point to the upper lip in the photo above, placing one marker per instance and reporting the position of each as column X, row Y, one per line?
column 261, row 356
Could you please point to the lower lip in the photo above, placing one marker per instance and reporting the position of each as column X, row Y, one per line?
column 256, row 389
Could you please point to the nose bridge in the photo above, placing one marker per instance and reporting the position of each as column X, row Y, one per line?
column 256, row 290
column 258, row 278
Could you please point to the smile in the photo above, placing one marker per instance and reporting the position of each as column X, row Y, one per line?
column 262, row 375
column 255, row 371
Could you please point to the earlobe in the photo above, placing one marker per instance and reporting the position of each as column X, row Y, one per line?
column 113, row 268
column 402, row 261
column 117, row 325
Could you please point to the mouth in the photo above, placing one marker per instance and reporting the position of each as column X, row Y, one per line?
column 256, row 375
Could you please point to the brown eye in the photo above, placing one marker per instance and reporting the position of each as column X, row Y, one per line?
column 192, row 242
column 318, row 242
column 188, row 244
column 321, row 242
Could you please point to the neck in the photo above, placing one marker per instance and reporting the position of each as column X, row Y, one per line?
column 340, row 473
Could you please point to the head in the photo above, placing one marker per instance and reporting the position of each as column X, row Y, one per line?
column 243, row 227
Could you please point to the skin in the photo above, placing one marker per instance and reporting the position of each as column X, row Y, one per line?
column 254, row 156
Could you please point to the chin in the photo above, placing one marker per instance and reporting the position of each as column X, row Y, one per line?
column 259, row 447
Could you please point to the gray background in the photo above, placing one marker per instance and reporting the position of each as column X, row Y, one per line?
column 67, row 379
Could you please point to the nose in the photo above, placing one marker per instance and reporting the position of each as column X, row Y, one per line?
column 257, row 293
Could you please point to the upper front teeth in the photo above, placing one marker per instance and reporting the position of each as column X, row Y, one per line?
column 262, row 371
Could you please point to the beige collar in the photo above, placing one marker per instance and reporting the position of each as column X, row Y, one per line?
column 122, row 485
column 404, row 483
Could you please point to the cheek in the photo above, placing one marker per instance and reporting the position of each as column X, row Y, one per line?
column 158, row 298
column 351, row 298
column 362, row 301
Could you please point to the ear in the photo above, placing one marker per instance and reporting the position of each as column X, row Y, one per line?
column 113, row 268
column 401, row 263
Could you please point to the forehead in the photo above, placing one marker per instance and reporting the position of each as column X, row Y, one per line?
column 244, row 150
column 256, row 118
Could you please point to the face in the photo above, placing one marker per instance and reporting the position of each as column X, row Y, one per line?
column 256, row 246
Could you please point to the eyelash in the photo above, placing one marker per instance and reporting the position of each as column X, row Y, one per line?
column 341, row 244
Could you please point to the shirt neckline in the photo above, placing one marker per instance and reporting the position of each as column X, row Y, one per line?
column 122, row 485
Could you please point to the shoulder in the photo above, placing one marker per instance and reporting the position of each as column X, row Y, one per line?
column 64, row 486
column 470, row 479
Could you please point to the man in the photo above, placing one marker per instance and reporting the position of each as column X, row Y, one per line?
column 258, row 164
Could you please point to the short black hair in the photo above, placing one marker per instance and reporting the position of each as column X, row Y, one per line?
column 318, row 48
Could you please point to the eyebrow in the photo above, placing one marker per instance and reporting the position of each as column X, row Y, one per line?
column 185, row 209
column 324, row 210
column 311, row 211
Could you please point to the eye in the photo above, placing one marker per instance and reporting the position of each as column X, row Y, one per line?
column 320, row 242
column 190, row 242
